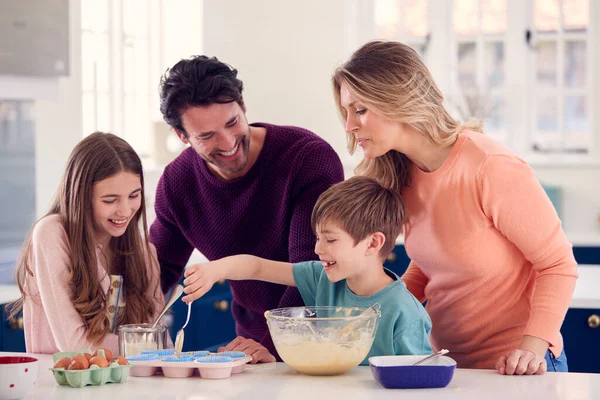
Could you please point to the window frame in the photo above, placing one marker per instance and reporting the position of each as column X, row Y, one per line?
column 118, row 40
column 519, row 88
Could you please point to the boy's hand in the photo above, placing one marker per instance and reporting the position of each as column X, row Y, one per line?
column 200, row 278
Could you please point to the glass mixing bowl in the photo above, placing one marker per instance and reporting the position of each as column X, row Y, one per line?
column 322, row 340
column 135, row 338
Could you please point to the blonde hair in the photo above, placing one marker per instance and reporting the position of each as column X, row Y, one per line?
column 362, row 206
column 391, row 80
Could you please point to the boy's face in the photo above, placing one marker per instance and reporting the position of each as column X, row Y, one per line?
column 341, row 258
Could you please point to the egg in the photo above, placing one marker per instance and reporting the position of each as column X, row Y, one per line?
column 87, row 356
column 122, row 361
column 100, row 361
column 78, row 362
column 107, row 354
column 62, row 363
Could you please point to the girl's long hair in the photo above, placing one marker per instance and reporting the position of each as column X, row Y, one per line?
column 97, row 157
column 390, row 78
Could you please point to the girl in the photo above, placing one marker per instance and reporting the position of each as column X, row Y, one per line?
column 487, row 249
column 87, row 266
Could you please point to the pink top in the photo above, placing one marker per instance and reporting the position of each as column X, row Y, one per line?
column 488, row 253
column 50, row 321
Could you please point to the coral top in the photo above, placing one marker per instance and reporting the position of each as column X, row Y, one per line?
column 488, row 253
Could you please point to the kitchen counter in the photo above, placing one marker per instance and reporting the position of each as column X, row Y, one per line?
column 278, row 381
column 9, row 293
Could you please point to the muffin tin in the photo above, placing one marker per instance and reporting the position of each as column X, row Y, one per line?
column 208, row 365
column 94, row 375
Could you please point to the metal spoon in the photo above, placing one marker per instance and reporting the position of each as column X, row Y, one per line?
column 351, row 326
column 179, row 337
column 175, row 294
column 439, row 353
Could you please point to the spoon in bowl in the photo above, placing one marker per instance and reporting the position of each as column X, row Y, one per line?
column 439, row 353
column 351, row 326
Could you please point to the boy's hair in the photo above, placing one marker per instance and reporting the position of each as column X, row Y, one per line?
column 362, row 206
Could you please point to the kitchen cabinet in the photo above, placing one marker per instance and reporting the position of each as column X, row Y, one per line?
column 397, row 260
column 581, row 334
column 12, row 337
column 211, row 322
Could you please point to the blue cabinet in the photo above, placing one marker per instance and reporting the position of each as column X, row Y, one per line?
column 397, row 260
column 581, row 335
column 211, row 322
column 12, row 337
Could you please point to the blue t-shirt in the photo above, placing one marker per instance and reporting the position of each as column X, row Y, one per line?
column 404, row 325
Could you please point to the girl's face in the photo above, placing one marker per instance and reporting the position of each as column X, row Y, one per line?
column 115, row 201
column 373, row 133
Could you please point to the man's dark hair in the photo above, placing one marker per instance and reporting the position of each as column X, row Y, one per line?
column 197, row 81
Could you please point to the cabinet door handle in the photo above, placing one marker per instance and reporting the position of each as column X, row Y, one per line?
column 594, row 321
column 16, row 323
column 221, row 305
column 391, row 257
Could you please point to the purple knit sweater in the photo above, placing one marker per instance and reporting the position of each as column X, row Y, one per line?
column 265, row 213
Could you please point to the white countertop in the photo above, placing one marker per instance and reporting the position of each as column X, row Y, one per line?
column 278, row 381
column 9, row 293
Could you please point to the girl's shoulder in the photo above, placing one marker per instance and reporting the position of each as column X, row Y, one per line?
column 49, row 229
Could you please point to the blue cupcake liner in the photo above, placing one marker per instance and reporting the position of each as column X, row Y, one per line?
column 214, row 359
column 174, row 359
column 143, row 357
column 160, row 353
column 232, row 354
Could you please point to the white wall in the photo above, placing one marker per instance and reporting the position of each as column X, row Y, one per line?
column 58, row 122
column 285, row 52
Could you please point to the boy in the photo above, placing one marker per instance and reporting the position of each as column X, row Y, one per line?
column 356, row 223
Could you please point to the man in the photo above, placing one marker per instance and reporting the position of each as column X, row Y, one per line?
column 238, row 189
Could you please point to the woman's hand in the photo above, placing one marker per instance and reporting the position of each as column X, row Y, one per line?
column 529, row 359
column 258, row 352
column 200, row 278
column 521, row 362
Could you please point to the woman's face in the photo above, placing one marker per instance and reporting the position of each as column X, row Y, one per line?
column 373, row 133
column 115, row 201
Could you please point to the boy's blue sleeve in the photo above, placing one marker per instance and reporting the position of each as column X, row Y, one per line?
column 307, row 275
column 413, row 338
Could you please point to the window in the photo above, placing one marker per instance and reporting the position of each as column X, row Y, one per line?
column 561, row 77
column 120, row 61
column 403, row 20
column 478, row 81
column 525, row 68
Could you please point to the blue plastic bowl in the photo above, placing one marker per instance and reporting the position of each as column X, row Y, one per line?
column 397, row 372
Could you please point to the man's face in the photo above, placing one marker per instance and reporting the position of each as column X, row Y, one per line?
column 220, row 134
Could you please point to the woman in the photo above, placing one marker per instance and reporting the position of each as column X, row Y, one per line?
column 87, row 266
column 487, row 249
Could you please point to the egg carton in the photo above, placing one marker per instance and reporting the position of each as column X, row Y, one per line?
column 94, row 375
column 208, row 365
